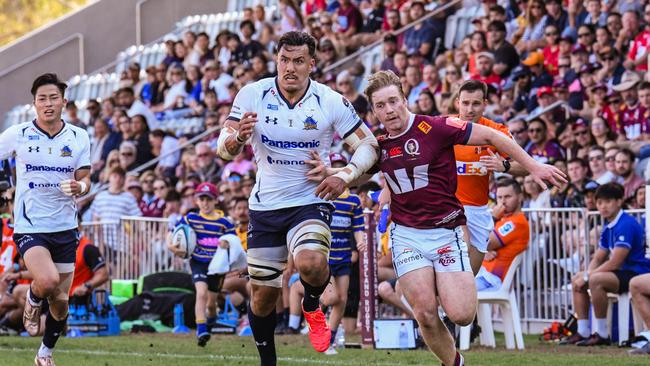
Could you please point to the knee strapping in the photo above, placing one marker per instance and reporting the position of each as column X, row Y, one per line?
column 265, row 273
column 311, row 235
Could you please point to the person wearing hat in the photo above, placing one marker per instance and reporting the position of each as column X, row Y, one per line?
column 209, row 224
column 630, row 114
column 484, row 72
column 579, row 56
column 524, row 96
column 540, row 77
column 578, row 88
column 613, row 69
column 506, row 57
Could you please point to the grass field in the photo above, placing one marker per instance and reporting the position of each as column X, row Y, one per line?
column 160, row 349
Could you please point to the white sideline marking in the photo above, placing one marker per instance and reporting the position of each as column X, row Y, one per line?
column 187, row 356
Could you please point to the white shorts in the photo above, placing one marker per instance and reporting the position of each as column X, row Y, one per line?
column 480, row 224
column 443, row 249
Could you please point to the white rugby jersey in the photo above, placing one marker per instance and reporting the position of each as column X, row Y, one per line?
column 284, row 135
column 42, row 162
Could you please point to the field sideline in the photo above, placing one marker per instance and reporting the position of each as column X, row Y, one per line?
column 165, row 349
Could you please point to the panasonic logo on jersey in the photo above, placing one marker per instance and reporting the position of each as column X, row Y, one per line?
column 291, row 144
column 45, row 168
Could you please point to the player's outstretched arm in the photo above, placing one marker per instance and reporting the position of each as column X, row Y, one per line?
column 542, row 173
column 234, row 135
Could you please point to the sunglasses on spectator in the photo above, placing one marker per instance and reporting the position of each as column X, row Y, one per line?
column 580, row 133
column 148, row 181
column 115, row 161
column 551, row 34
column 534, row 130
column 126, row 154
column 158, row 188
column 610, row 158
column 597, row 157
column 452, row 72
column 516, row 132
column 563, row 66
column 584, row 35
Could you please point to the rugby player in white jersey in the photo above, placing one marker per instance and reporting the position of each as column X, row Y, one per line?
column 287, row 119
column 52, row 167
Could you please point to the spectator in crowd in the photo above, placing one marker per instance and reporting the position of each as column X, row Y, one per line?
column 541, row 147
column 601, row 132
column 484, row 70
column 103, row 142
column 519, row 131
column 531, row 35
column 162, row 145
column 421, row 37
column 632, row 124
column 90, row 271
column 637, row 58
column 478, row 44
column 248, row 47
column 200, row 53
column 112, row 161
column 599, row 172
column 620, row 256
column 94, row 112
column 610, row 159
column 290, row 17
column 574, row 195
column 112, row 204
column 349, row 19
column 612, row 70
column 222, row 54
column 128, row 152
column 156, row 205
column 505, row 54
column 207, row 167
column 134, row 77
column 508, row 239
column 72, row 115
column 140, row 136
column 126, row 99
column 624, row 164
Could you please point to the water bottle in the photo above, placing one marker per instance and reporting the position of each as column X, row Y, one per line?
column 179, row 320
column 340, row 338
column 403, row 337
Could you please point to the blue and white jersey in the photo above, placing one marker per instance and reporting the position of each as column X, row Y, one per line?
column 42, row 162
column 625, row 232
column 285, row 134
column 347, row 219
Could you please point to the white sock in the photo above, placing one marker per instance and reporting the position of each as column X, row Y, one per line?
column 583, row 327
column 294, row 321
column 601, row 327
column 45, row 351
column 29, row 298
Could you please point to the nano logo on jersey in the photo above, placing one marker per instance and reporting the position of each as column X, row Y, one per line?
column 45, row 168
column 412, row 147
column 269, row 119
column 310, row 124
column 467, row 168
column 66, row 152
column 34, row 149
column 272, row 107
column 283, row 144
column 395, row 152
column 424, row 127
column 33, row 137
column 33, row 185
column 284, row 162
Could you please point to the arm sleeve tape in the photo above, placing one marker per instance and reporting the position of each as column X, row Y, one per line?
column 222, row 151
column 365, row 154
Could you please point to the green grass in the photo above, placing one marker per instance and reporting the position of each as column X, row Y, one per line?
column 165, row 349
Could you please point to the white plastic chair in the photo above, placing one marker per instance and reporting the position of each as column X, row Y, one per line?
column 623, row 301
column 506, row 298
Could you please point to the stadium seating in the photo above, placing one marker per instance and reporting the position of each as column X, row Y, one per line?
column 507, row 300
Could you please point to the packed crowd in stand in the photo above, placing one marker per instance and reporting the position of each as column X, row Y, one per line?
column 569, row 80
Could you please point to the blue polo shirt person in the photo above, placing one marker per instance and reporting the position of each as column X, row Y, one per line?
column 620, row 257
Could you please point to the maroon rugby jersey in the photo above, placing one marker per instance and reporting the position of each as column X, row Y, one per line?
column 420, row 168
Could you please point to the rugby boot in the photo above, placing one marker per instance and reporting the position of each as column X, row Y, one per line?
column 31, row 317
column 44, row 361
column 319, row 331
column 573, row 339
column 595, row 340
